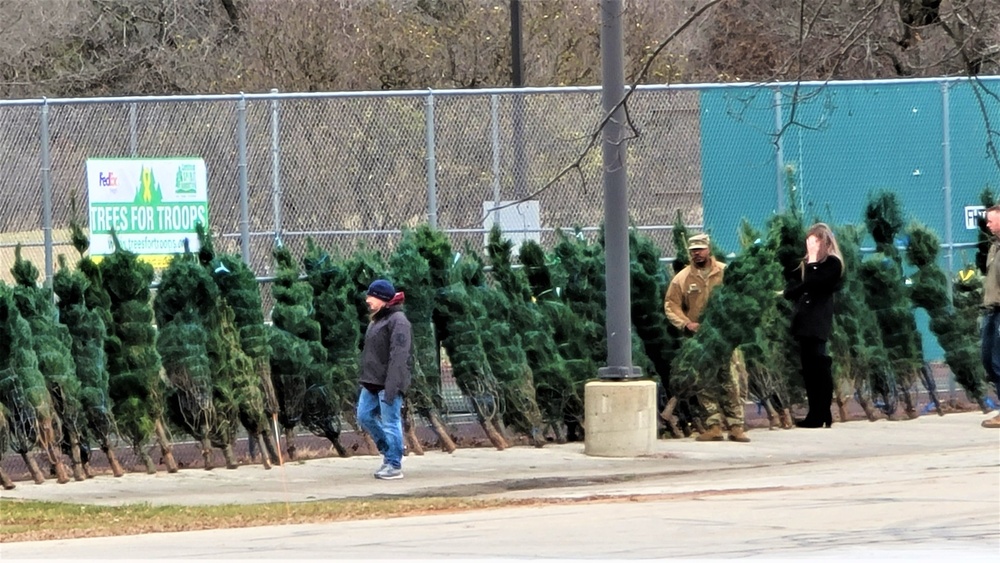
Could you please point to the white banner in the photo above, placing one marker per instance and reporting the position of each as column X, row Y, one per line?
column 152, row 204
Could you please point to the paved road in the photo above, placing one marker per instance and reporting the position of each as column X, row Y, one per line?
column 927, row 489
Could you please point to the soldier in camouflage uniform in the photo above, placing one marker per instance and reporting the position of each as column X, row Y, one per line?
column 686, row 298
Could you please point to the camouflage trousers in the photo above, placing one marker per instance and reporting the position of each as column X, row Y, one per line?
column 725, row 402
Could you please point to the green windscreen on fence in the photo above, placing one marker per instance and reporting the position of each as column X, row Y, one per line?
column 839, row 143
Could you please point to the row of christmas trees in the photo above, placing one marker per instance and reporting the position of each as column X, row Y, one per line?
column 112, row 362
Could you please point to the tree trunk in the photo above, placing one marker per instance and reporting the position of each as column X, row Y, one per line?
column 79, row 472
column 227, row 453
column 47, row 438
column 290, row 443
column 842, row 407
column 265, row 449
column 147, row 460
column 5, row 481
column 272, row 446
column 439, row 428
column 773, row 418
column 490, row 429
column 410, row 432
column 116, row 468
column 36, row 474
column 206, row 453
column 166, row 450
column 786, row 419
column 911, row 409
column 866, row 405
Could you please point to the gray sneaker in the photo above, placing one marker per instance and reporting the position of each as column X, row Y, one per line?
column 381, row 468
column 389, row 472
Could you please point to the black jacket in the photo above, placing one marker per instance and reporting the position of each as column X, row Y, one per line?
column 387, row 357
column 813, row 296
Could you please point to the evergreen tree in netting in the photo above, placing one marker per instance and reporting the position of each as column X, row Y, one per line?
column 185, row 306
column 956, row 335
column 456, row 322
column 680, row 410
column 886, row 294
column 296, row 351
column 52, row 345
column 32, row 418
column 253, row 391
column 731, row 316
column 774, row 377
column 504, row 351
column 555, row 388
column 412, row 275
column 331, row 392
column 138, row 393
column 574, row 335
column 856, row 340
column 88, row 334
column 770, row 356
column 660, row 341
column 5, row 480
column 967, row 300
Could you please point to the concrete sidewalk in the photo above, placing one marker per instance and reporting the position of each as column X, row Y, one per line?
column 773, row 458
column 923, row 490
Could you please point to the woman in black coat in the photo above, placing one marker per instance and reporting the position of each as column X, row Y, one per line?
column 822, row 275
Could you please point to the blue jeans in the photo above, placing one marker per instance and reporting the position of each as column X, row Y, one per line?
column 385, row 424
column 991, row 348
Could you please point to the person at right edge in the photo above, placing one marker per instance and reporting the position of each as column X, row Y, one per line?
column 990, row 347
column 386, row 371
column 812, row 320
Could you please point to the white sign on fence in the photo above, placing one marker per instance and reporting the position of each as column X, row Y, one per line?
column 972, row 215
column 518, row 221
column 152, row 204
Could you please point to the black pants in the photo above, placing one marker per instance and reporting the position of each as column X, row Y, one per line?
column 817, row 377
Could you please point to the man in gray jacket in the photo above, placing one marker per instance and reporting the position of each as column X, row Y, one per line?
column 386, row 368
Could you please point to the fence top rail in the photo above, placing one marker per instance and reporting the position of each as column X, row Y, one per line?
column 275, row 95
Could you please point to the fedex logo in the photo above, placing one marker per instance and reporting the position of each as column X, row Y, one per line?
column 107, row 180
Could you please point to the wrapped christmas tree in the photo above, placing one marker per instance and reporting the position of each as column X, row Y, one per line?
column 5, row 481
column 573, row 336
column 886, row 294
column 504, row 350
column 555, row 388
column 137, row 390
column 88, row 334
column 411, row 274
column 52, row 345
column 456, row 325
column 856, row 340
column 659, row 339
column 32, row 418
column 955, row 331
column 199, row 399
column 296, row 351
column 248, row 362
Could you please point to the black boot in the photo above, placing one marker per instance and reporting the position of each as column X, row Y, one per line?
column 824, row 388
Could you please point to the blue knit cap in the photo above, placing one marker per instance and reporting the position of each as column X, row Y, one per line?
column 382, row 289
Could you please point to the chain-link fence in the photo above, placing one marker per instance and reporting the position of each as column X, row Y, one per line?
column 353, row 168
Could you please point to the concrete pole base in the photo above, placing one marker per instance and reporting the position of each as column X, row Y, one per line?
column 620, row 418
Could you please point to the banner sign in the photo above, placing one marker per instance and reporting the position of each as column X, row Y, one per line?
column 152, row 205
column 972, row 215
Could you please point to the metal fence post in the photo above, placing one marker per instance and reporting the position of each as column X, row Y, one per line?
column 779, row 154
column 241, row 147
column 276, row 166
column 495, row 137
column 946, row 155
column 46, row 169
column 133, row 129
column 432, row 211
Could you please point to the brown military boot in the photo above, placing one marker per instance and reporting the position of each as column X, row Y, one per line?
column 713, row 434
column 736, row 434
column 992, row 422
